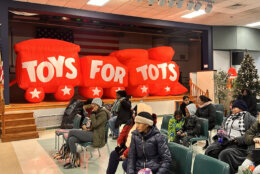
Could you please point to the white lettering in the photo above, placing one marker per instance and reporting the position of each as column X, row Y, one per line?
column 150, row 72
column 40, row 69
column 69, row 65
column 119, row 75
column 30, row 67
column 143, row 70
column 171, row 68
column 163, row 67
column 104, row 72
column 58, row 64
column 94, row 68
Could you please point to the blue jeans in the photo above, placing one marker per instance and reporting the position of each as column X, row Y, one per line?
column 112, row 122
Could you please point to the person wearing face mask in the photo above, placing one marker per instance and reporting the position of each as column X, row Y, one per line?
column 148, row 148
column 231, row 147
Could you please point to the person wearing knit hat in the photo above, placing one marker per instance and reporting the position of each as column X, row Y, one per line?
column 93, row 130
column 145, row 140
column 121, row 113
column 239, row 104
column 124, row 140
column 233, row 149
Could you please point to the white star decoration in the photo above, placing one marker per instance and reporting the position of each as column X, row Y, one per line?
column 144, row 89
column 66, row 90
column 118, row 89
column 96, row 91
column 167, row 88
column 35, row 93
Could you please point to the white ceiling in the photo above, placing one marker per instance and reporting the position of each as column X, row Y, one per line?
column 222, row 13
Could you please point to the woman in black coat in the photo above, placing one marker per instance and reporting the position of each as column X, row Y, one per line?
column 206, row 110
column 250, row 101
column 148, row 148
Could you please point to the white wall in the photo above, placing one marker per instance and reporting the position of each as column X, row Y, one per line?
column 221, row 60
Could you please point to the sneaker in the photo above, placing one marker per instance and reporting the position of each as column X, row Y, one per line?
column 110, row 135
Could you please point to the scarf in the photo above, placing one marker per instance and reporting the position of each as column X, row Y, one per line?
column 116, row 105
column 238, row 116
column 128, row 140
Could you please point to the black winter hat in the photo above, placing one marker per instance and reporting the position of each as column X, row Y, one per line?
column 144, row 118
column 240, row 104
column 122, row 93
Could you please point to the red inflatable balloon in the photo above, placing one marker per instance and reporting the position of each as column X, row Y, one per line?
column 47, row 63
column 178, row 89
column 34, row 95
column 111, row 92
column 162, row 54
column 91, row 92
column 64, row 93
column 138, row 91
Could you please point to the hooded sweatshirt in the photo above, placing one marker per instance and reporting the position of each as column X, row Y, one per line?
column 191, row 126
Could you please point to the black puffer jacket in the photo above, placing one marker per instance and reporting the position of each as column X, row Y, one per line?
column 124, row 112
column 148, row 151
column 208, row 112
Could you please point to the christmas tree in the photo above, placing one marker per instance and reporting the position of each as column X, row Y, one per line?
column 247, row 77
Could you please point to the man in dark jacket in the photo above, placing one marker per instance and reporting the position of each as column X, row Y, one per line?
column 121, row 111
column 148, row 147
column 191, row 127
column 186, row 101
column 250, row 101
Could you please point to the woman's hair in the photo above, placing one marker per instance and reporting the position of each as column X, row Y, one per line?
column 204, row 99
column 88, row 101
column 184, row 97
column 154, row 119
column 247, row 91
column 177, row 112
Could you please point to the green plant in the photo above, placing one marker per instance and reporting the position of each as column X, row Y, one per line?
column 221, row 79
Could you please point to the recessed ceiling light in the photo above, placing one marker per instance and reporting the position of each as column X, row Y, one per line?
column 97, row 2
column 253, row 24
column 194, row 14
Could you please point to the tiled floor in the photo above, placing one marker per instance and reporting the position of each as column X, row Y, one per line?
column 35, row 157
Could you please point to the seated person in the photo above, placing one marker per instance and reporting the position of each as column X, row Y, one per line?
column 191, row 127
column 252, row 138
column 232, row 149
column 148, row 148
column 94, row 133
column 186, row 101
column 121, row 112
column 175, row 124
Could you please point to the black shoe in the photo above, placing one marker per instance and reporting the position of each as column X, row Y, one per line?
column 68, row 166
column 110, row 135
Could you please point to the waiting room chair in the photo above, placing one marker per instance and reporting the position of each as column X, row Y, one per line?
column 204, row 134
column 86, row 144
column 207, row 165
column 183, row 157
column 165, row 123
column 219, row 120
column 76, row 125
column 219, row 107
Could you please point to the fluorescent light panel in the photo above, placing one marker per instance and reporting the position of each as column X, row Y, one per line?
column 97, row 2
column 194, row 14
column 253, row 24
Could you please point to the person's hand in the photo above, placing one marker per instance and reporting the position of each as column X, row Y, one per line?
column 256, row 140
column 121, row 100
column 95, row 108
column 84, row 127
column 179, row 133
column 122, row 157
column 183, row 134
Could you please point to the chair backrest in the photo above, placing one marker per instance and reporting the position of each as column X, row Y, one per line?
column 183, row 158
column 219, row 107
column 106, row 132
column 76, row 121
column 219, row 118
column 165, row 122
column 204, row 165
column 204, row 123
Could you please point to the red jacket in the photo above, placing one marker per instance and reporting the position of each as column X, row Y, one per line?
column 123, row 137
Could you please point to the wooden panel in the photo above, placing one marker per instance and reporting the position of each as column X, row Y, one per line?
column 20, row 136
column 22, row 121
column 22, row 128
